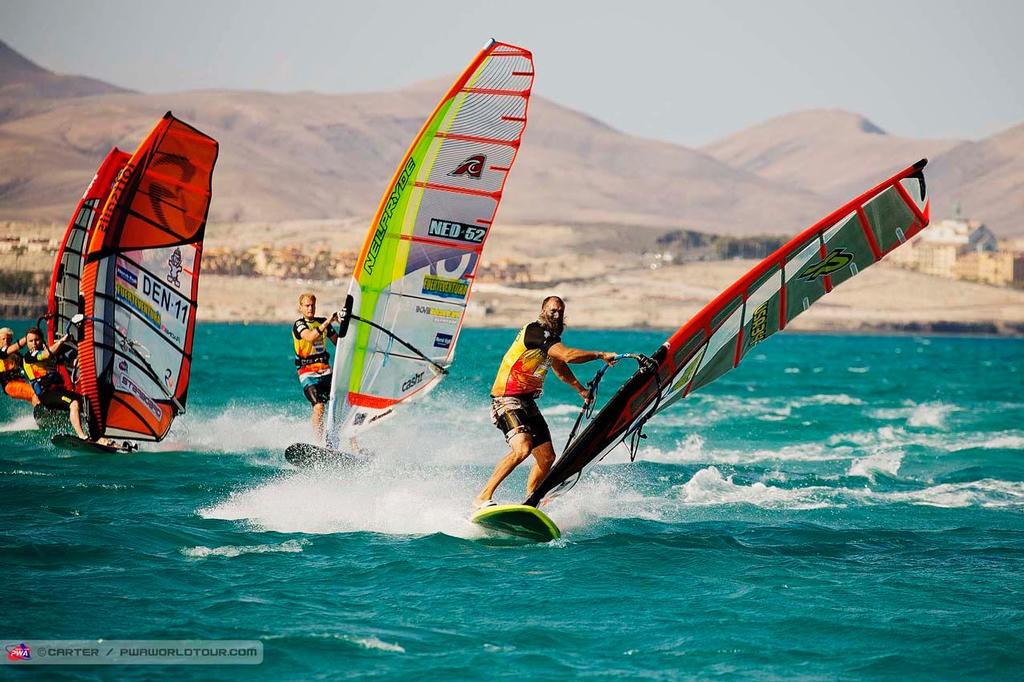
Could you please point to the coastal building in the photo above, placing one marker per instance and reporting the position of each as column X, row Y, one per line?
column 937, row 250
column 1001, row 268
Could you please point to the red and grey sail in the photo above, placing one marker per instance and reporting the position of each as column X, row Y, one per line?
column 64, row 300
column 140, row 284
column 761, row 303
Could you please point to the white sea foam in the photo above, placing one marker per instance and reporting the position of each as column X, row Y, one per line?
column 880, row 463
column 239, row 429
column 709, row 487
column 23, row 472
column 385, row 496
column 379, row 644
column 858, row 370
column 23, row 422
column 231, row 551
column 826, row 399
column 984, row 493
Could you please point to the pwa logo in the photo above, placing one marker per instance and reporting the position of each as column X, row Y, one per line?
column 834, row 261
column 473, row 166
column 19, row 652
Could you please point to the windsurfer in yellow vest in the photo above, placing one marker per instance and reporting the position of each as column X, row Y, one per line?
column 40, row 365
column 311, row 358
column 12, row 380
column 519, row 382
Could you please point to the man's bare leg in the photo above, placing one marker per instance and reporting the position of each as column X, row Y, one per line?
column 318, row 420
column 544, row 457
column 521, row 444
column 75, row 414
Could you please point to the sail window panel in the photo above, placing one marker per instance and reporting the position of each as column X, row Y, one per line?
column 725, row 312
column 438, row 272
column 688, row 348
column 762, row 316
column 428, row 326
column 497, row 73
column 471, row 166
column 915, row 189
column 887, row 213
column 802, row 287
column 146, row 304
column 676, row 389
column 848, row 249
column 462, row 220
column 500, row 117
column 395, row 377
column 172, row 266
column 721, row 351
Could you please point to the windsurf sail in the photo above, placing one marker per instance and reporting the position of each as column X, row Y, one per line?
column 412, row 281
column 761, row 303
column 64, row 300
column 139, row 285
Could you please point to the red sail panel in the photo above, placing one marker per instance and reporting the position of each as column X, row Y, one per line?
column 140, row 284
column 63, row 300
column 761, row 303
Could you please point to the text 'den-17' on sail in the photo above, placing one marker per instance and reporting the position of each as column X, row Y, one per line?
column 64, row 300
column 139, row 284
column 413, row 278
column 762, row 302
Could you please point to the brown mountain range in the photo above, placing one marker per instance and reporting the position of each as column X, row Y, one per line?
column 308, row 156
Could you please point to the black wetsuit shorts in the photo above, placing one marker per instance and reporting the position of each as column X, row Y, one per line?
column 318, row 391
column 58, row 398
column 519, row 414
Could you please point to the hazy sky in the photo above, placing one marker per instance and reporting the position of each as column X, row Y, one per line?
column 690, row 72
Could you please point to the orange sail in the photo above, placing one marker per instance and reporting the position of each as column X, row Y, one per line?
column 140, row 284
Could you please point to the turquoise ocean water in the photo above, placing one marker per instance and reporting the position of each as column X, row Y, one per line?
column 845, row 507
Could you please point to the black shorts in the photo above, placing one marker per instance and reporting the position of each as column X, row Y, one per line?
column 318, row 391
column 519, row 414
column 59, row 398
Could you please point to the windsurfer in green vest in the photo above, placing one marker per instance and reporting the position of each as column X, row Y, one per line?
column 311, row 358
column 537, row 347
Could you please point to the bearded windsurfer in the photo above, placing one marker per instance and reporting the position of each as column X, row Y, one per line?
column 311, row 358
column 537, row 347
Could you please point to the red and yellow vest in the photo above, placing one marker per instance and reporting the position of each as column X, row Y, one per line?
column 526, row 363
column 311, row 358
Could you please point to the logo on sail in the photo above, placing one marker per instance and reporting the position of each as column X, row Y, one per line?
column 444, row 287
column 174, row 268
column 759, row 324
column 454, row 230
column 471, row 167
column 834, row 261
